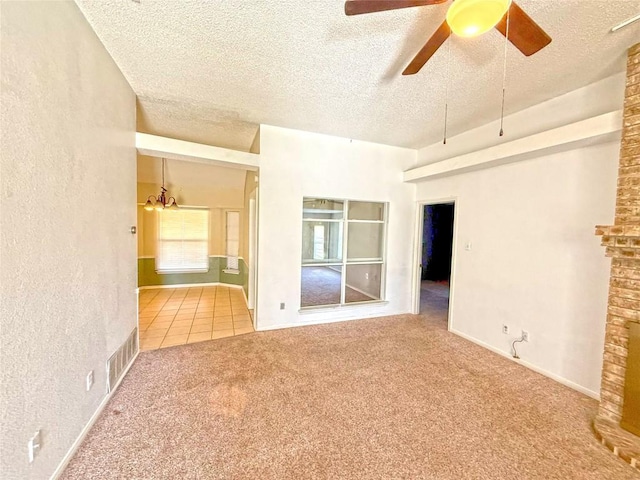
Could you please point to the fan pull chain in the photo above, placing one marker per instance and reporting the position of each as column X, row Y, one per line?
column 504, row 72
column 446, row 111
column 446, row 92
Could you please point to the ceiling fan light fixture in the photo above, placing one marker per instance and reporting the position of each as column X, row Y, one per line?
column 470, row 18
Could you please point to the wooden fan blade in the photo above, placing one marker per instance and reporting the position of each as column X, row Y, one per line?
column 357, row 7
column 525, row 34
column 431, row 47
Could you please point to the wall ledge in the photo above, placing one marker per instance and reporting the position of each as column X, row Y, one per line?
column 156, row 146
column 594, row 130
column 190, row 285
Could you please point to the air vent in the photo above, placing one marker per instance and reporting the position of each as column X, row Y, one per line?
column 119, row 361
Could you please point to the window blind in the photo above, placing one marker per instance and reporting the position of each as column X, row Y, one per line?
column 183, row 241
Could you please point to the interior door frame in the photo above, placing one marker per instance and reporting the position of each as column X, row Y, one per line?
column 253, row 244
column 417, row 254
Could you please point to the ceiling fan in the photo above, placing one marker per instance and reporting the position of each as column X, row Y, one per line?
column 465, row 18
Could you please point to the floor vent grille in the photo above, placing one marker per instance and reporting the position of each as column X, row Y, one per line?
column 120, row 360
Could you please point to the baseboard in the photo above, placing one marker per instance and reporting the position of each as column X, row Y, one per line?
column 244, row 294
column 210, row 256
column 195, row 285
column 322, row 321
column 74, row 448
column 530, row 366
column 361, row 291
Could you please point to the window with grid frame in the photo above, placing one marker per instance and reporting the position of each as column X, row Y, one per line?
column 183, row 241
column 343, row 252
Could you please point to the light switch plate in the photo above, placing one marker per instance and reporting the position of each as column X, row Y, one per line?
column 34, row 445
column 89, row 380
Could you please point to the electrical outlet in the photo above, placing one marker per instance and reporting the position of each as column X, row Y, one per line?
column 525, row 336
column 505, row 329
column 282, row 306
column 34, row 445
column 366, row 276
column 89, row 380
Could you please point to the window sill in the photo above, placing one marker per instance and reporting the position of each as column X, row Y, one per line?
column 175, row 272
column 231, row 271
column 349, row 306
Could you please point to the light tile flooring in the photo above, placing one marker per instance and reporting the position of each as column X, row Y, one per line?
column 175, row 316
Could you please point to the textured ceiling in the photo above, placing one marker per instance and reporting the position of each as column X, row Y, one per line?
column 212, row 71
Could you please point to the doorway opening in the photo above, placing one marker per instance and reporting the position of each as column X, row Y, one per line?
column 197, row 262
column 436, row 251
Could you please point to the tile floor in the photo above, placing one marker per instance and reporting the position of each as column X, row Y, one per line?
column 175, row 316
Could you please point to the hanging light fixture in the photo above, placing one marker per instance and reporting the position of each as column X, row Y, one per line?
column 470, row 18
column 162, row 201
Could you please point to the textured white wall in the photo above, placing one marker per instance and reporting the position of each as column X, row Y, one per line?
column 535, row 262
column 68, row 196
column 296, row 164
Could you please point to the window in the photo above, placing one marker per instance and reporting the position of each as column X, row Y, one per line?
column 343, row 245
column 233, row 240
column 183, row 241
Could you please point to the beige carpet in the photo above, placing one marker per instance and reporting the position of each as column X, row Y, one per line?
column 322, row 286
column 390, row 398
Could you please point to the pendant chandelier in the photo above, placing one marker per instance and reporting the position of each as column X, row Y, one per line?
column 162, row 201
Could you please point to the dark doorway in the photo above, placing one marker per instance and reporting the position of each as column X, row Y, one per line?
column 437, row 244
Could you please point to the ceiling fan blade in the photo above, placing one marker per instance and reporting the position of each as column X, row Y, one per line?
column 525, row 34
column 432, row 45
column 357, row 7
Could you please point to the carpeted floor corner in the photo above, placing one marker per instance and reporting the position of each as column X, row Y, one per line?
column 388, row 398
